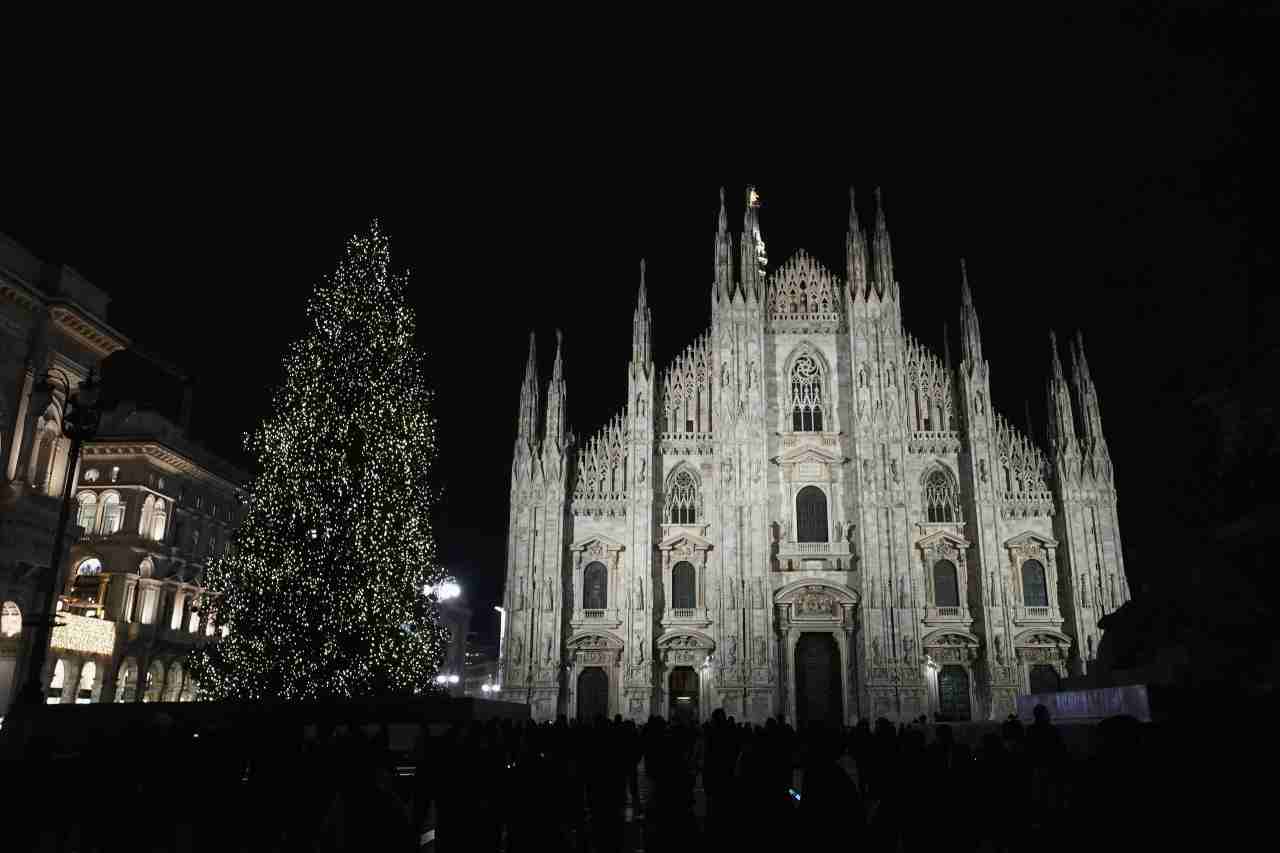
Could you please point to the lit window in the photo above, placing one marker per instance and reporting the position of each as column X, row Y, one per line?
column 112, row 513
column 91, row 475
column 88, row 674
column 10, row 620
column 87, row 513
column 89, row 566
column 159, row 518
column 115, row 473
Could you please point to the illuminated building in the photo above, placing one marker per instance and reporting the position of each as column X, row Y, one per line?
column 807, row 513
column 149, row 506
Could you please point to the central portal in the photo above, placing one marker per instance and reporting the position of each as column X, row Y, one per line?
column 819, row 695
column 684, row 695
column 593, row 694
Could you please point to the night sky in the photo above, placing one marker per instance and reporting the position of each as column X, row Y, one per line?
column 1117, row 179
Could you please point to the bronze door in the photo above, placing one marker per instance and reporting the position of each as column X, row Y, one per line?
column 819, row 693
column 953, row 694
column 593, row 694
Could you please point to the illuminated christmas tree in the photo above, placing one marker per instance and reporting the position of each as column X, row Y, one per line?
column 321, row 592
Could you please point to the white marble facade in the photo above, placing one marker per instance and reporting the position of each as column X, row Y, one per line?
column 808, row 513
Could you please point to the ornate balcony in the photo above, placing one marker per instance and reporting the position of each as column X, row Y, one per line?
column 686, row 617
column 594, row 618
column 947, row 616
column 793, row 556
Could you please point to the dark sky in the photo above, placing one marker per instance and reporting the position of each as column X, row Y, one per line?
column 1114, row 179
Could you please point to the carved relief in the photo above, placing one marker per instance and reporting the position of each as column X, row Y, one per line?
column 815, row 603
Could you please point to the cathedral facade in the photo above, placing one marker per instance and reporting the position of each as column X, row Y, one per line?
column 808, row 513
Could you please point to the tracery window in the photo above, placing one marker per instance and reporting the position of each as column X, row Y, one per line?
column 595, row 587
column 946, row 589
column 811, row 515
column 682, row 499
column 1035, row 592
column 87, row 513
column 806, row 395
column 683, row 586
column 941, row 500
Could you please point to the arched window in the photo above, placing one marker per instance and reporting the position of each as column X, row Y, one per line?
column 144, row 520
column 112, row 513
column 173, row 686
column 682, row 499
column 684, row 592
column 10, row 620
column 946, row 589
column 54, row 693
column 159, row 518
column 89, row 566
column 941, row 501
column 806, row 395
column 155, row 682
column 87, row 513
column 88, row 674
column 811, row 515
column 1035, row 592
column 127, row 682
column 595, row 587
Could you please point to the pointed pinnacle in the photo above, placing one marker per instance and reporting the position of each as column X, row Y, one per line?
column 966, row 297
column 724, row 220
column 854, row 227
column 946, row 346
column 1057, row 365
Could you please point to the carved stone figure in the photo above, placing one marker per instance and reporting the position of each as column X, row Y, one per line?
column 893, row 470
column 759, row 651
column 637, row 595
column 848, row 531
column 908, row 646
column 875, row 649
column 639, row 635
column 731, row 650
column 519, row 593
column 999, row 651
column 902, row 592
column 517, row 650
column 1084, row 591
column 547, row 651
column 732, row 583
column 548, row 600
column 784, row 530
column 982, row 470
column 757, row 603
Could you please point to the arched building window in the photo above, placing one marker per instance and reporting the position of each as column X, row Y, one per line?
column 806, row 395
column 946, row 588
column 144, row 520
column 112, row 512
column 54, row 693
column 10, row 620
column 811, row 515
column 159, row 518
column 684, row 592
column 88, row 674
column 595, row 587
column 682, row 498
column 1035, row 592
column 87, row 513
column 941, row 498
column 89, row 566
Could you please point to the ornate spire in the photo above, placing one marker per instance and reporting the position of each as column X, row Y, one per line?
column 1062, row 430
column 856, row 261
column 530, row 402
column 1086, row 398
column 557, row 433
column 754, row 259
column 641, row 348
column 970, row 333
column 724, row 254
column 883, row 252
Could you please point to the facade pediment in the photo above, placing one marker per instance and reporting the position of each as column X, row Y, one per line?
column 814, row 593
column 808, row 453
column 597, row 542
column 943, row 538
column 684, row 540
column 951, row 637
column 1030, row 538
column 584, row 640
column 685, row 639
column 1042, row 637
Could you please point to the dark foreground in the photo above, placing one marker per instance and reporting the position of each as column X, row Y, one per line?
column 613, row 786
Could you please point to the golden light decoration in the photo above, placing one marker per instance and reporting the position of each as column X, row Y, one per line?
column 84, row 635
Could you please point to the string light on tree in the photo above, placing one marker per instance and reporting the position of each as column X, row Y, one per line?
column 322, row 593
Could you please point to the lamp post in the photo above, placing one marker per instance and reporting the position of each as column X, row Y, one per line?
column 80, row 415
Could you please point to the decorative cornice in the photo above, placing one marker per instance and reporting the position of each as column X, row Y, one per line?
column 158, row 451
column 95, row 335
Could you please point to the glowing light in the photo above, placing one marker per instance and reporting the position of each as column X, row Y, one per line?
column 84, row 634
column 753, row 197
column 445, row 591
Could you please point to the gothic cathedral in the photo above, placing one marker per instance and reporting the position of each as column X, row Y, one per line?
column 808, row 513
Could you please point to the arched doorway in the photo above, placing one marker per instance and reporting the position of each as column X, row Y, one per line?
column 953, row 694
column 593, row 694
column 818, row 688
column 1044, row 678
column 684, row 695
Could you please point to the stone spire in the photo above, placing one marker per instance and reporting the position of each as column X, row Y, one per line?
column 557, row 432
column 970, row 333
column 530, row 401
column 1086, row 398
column 856, row 260
column 885, row 282
column 641, row 326
column 1061, row 430
column 946, row 347
column 724, row 255
column 754, row 258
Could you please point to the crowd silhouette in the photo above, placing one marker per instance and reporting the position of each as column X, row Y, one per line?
column 603, row 786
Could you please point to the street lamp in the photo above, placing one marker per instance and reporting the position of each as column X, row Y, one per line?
column 79, row 412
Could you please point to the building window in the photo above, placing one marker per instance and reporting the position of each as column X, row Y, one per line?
column 87, row 514
column 159, row 518
column 1035, row 592
column 91, row 475
column 941, row 501
column 112, row 513
column 88, row 674
column 89, row 566
column 806, row 395
column 115, row 473
column 811, row 515
column 946, row 588
column 684, row 593
column 682, row 498
column 10, row 620
column 595, row 587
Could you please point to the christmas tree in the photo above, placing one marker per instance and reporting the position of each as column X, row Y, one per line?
column 321, row 592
